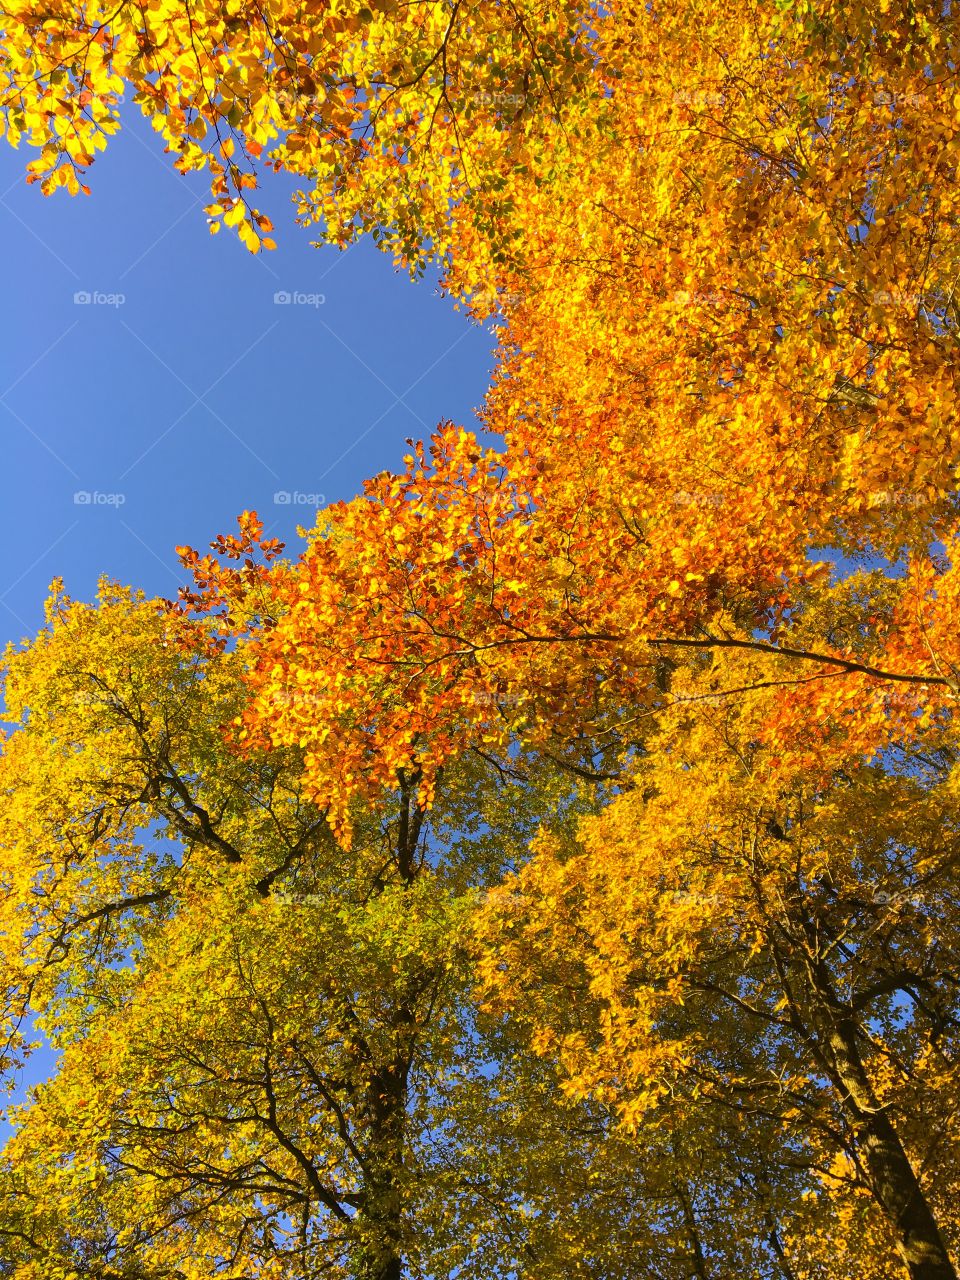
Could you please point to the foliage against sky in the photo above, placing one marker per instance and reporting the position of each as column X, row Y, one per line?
column 685, row 642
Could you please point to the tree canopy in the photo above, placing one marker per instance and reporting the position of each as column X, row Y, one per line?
column 552, row 869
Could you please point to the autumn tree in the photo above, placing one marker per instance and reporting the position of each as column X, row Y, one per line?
column 398, row 117
column 806, row 892
column 270, row 1060
column 728, row 357
column 770, row 936
column 723, row 243
column 687, row 456
column 237, row 1017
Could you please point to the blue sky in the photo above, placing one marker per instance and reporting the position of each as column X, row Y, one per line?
column 196, row 395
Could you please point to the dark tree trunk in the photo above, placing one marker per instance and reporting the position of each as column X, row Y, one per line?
column 376, row 1265
column 381, row 1220
column 891, row 1176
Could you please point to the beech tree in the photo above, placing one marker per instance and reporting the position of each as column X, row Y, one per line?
column 398, row 117
column 774, row 936
column 721, row 898
column 272, row 1057
column 269, row 1062
column 728, row 357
